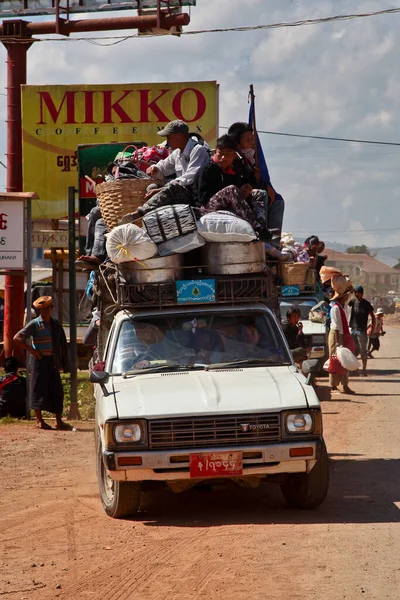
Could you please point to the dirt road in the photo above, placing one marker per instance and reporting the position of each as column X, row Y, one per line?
column 56, row 541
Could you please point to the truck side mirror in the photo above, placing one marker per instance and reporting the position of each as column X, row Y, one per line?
column 309, row 368
column 102, row 378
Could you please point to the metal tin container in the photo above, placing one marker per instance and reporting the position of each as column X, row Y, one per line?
column 233, row 258
column 153, row 270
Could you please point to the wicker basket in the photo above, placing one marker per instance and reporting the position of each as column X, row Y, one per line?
column 294, row 273
column 120, row 197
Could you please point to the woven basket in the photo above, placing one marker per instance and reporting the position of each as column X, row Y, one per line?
column 120, row 197
column 294, row 273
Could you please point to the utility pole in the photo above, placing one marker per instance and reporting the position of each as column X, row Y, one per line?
column 16, row 36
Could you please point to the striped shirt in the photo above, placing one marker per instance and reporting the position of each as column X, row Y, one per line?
column 40, row 332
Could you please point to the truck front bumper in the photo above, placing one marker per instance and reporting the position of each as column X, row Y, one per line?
column 174, row 465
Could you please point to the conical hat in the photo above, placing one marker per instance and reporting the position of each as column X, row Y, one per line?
column 326, row 273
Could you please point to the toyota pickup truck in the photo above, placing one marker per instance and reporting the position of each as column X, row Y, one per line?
column 204, row 391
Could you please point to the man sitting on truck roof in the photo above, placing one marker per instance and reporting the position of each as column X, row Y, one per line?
column 220, row 187
column 187, row 159
column 188, row 156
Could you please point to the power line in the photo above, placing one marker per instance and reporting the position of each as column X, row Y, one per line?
column 325, row 137
column 320, row 20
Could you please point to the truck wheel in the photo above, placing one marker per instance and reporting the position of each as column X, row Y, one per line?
column 308, row 490
column 119, row 498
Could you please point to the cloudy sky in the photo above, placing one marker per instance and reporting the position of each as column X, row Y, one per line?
column 336, row 79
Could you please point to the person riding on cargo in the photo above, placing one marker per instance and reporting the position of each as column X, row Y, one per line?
column 186, row 159
column 245, row 162
column 220, row 187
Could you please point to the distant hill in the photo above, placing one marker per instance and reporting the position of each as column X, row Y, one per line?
column 389, row 256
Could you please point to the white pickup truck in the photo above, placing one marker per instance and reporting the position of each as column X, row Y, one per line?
column 204, row 393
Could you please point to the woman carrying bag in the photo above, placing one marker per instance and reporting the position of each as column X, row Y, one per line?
column 339, row 335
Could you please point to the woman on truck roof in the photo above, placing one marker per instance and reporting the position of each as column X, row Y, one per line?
column 245, row 161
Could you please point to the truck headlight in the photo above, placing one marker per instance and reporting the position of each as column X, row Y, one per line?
column 299, row 423
column 318, row 339
column 129, row 433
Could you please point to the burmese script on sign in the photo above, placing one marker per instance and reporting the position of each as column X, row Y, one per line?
column 58, row 119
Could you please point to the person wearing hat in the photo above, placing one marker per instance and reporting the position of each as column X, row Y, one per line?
column 50, row 353
column 361, row 310
column 186, row 159
column 339, row 335
column 374, row 333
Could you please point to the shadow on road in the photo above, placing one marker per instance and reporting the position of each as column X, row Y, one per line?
column 361, row 491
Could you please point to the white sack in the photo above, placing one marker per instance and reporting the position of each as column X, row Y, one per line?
column 347, row 358
column 224, row 226
column 128, row 242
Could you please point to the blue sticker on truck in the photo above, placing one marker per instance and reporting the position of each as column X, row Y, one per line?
column 290, row 290
column 195, row 291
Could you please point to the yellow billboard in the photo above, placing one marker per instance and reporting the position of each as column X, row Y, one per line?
column 57, row 118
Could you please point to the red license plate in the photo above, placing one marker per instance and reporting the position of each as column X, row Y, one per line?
column 216, row 464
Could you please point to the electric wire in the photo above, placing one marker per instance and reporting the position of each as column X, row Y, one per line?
column 279, row 25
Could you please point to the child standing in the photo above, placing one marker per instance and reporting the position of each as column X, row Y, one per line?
column 375, row 332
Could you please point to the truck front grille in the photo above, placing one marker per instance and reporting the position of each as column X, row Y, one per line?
column 196, row 432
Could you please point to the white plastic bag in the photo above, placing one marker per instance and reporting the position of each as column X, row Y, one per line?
column 223, row 226
column 347, row 358
column 128, row 242
column 326, row 365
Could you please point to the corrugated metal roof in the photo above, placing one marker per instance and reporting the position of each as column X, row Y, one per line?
column 367, row 263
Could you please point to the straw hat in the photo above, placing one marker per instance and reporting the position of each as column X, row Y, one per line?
column 344, row 287
column 327, row 273
column 43, row 302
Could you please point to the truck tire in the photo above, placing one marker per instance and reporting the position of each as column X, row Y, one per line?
column 119, row 498
column 308, row 490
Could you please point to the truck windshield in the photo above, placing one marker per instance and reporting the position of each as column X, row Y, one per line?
column 305, row 305
column 192, row 340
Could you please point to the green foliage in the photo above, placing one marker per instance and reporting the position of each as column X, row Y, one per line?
column 358, row 250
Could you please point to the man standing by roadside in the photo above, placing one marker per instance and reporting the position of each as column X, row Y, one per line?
column 50, row 352
column 361, row 309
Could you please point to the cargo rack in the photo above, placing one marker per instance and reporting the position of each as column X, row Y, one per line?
column 228, row 290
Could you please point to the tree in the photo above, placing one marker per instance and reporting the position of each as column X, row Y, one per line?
column 358, row 250
column 398, row 265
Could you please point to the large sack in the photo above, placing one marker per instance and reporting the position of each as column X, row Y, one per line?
column 128, row 242
column 224, row 226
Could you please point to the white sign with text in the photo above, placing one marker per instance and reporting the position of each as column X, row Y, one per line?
column 12, row 225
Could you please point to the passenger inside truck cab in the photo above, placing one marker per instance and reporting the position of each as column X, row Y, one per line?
column 182, row 341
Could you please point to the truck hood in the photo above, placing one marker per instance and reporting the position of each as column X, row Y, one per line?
column 310, row 328
column 184, row 393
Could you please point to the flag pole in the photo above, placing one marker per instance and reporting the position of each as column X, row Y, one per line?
column 253, row 120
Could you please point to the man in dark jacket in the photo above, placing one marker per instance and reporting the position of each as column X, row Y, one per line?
column 50, row 352
column 361, row 310
column 294, row 335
